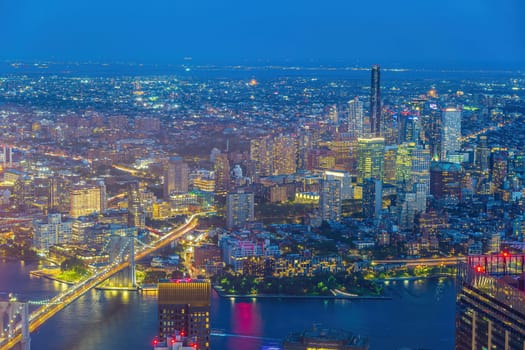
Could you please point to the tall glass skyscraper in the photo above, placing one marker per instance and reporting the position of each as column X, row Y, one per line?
column 450, row 132
column 375, row 103
column 355, row 117
column 370, row 159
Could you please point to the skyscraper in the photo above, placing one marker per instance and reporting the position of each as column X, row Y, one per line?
column 136, row 213
column 372, row 198
column 51, row 232
column 421, row 168
column 284, row 153
column 86, row 200
column 274, row 155
column 490, row 303
column 330, row 199
column 239, row 208
column 445, row 180
column 222, row 172
column 450, row 132
column 184, row 308
column 375, row 103
column 355, row 117
column 483, row 153
column 176, row 177
column 370, row 158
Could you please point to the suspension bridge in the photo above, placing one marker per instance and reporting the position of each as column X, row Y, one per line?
column 20, row 323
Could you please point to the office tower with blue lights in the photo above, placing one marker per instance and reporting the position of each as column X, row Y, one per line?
column 450, row 132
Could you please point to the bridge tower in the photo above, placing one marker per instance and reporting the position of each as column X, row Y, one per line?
column 10, row 313
column 132, row 268
column 26, row 338
column 119, row 249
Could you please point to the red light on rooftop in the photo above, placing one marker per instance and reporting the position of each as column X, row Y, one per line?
column 505, row 254
column 172, row 341
column 155, row 342
column 480, row 269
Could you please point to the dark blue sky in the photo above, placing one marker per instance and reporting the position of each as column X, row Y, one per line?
column 447, row 33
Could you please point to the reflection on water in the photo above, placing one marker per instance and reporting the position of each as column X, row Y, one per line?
column 419, row 315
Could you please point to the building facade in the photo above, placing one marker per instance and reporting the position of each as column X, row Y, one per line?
column 490, row 303
column 370, row 159
column 239, row 208
column 450, row 132
column 50, row 232
column 184, row 307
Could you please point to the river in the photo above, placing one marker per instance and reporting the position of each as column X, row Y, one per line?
column 420, row 315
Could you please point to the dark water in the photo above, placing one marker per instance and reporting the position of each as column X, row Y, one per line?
column 420, row 315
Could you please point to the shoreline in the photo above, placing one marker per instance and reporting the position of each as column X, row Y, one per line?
column 38, row 273
column 413, row 278
column 287, row 296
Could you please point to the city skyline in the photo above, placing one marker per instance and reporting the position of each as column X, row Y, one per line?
column 262, row 175
column 470, row 34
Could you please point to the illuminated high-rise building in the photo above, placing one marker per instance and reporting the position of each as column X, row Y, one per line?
column 24, row 191
column 222, row 172
column 58, row 195
column 53, row 200
column 421, row 168
column 103, row 197
column 284, row 154
column 375, row 102
column 372, row 198
column 498, row 169
column 330, row 199
column 483, row 154
column 86, row 200
column 445, row 180
column 408, row 128
column 389, row 165
column 333, row 114
column 239, row 208
column 184, row 308
column 370, row 158
column 261, row 153
column 176, row 177
column 136, row 213
column 450, row 132
column 490, row 302
column 50, row 232
column 274, row 155
column 355, row 117
column 344, row 178
column 404, row 165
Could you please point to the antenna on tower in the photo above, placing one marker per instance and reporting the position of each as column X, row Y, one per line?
column 227, row 145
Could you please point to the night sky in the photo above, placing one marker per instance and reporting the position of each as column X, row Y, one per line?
column 447, row 33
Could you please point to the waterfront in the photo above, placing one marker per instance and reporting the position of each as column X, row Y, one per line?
column 419, row 315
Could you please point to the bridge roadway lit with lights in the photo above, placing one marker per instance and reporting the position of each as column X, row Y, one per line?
column 59, row 302
column 444, row 261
